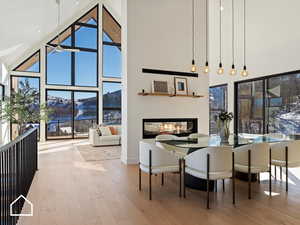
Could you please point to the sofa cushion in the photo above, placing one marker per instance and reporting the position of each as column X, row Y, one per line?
column 105, row 131
column 113, row 130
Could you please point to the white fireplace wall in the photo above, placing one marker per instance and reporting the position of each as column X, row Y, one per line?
column 158, row 35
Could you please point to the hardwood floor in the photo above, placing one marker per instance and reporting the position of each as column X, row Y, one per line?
column 69, row 191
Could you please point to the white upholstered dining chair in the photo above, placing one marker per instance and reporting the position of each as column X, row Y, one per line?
column 155, row 160
column 286, row 154
column 253, row 159
column 211, row 164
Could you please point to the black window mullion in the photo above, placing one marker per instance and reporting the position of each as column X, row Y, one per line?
column 73, row 113
column 73, row 56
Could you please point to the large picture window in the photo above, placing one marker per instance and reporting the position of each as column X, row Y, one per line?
column 75, row 68
column 217, row 104
column 268, row 105
column 111, row 103
column 73, row 113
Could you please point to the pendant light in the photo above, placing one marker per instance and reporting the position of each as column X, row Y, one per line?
column 221, row 69
column 233, row 70
column 194, row 68
column 206, row 68
column 244, row 72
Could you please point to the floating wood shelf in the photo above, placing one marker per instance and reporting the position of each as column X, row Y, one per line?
column 169, row 95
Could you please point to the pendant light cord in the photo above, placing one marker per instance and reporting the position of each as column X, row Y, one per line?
column 244, row 32
column 233, row 56
column 193, row 28
column 206, row 26
column 220, row 31
column 58, row 20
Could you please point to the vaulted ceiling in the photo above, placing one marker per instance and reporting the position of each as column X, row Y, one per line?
column 24, row 23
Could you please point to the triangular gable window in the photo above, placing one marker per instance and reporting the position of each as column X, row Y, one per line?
column 31, row 64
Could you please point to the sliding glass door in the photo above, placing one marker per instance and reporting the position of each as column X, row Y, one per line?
column 73, row 113
column 268, row 105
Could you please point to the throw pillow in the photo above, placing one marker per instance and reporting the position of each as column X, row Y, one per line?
column 105, row 131
column 98, row 131
column 113, row 131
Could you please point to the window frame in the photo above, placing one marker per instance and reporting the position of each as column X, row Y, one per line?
column 28, row 58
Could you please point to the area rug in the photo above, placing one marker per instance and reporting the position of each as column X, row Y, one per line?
column 93, row 154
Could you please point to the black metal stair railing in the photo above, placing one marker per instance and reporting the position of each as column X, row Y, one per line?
column 18, row 164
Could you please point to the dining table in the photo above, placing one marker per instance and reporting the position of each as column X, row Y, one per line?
column 183, row 146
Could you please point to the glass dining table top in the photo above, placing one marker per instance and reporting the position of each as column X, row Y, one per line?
column 233, row 141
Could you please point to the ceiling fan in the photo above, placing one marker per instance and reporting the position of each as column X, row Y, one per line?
column 58, row 47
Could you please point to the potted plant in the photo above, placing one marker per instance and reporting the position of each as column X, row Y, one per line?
column 224, row 119
column 23, row 107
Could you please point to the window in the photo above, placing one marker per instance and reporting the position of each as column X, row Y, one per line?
column 112, row 57
column 74, row 112
column 111, row 103
column 269, row 105
column 75, row 68
column 217, row 104
column 31, row 64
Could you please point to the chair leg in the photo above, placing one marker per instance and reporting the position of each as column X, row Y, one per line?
column 270, row 173
column 180, row 173
column 150, row 175
column 207, row 182
column 183, row 178
column 233, row 180
column 162, row 179
column 286, row 169
column 275, row 172
column 223, row 185
column 216, row 186
column 258, row 178
column 249, row 174
column 140, row 179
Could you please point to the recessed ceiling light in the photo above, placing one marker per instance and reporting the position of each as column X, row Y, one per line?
column 39, row 31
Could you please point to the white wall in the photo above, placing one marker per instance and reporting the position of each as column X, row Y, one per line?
column 272, row 40
column 159, row 35
column 4, row 126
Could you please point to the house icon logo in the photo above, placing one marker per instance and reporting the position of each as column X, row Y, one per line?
column 26, row 201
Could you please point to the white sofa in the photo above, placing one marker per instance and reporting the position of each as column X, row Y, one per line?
column 100, row 140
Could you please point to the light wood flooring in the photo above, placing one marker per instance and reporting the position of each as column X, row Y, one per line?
column 69, row 191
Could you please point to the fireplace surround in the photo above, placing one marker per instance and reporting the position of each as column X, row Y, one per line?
column 180, row 127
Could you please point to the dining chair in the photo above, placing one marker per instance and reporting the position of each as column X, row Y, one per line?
column 211, row 164
column 197, row 135
column 154, row 160
column 286, row 154
column 253, row 159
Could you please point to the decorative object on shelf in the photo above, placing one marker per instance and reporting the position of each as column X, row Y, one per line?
column 169, row 72
column 160, row 87
column 206, row 67
column 143, row 91
column 233, row 70
column 223, row 122
column 194, row 68
column 180, row 86
column 244, row 72
column 221, row 69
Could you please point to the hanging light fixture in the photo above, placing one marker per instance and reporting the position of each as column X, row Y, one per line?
column 244, row 72
column 221, row 69
column 233, row 70
column 206, row 68
column 194, row 68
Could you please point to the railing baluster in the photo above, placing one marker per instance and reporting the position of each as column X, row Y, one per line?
column 18, row 164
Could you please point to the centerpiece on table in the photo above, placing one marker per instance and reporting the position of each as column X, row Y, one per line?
column 223, row 121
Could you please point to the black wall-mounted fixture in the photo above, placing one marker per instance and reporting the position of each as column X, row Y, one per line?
column 168, row 72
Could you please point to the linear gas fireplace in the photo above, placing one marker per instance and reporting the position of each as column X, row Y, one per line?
column 179, row 127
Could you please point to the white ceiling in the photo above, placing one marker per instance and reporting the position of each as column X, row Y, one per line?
column 24, row 23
